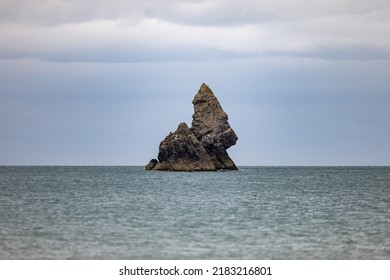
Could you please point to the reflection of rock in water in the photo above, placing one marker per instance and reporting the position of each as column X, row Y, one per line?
column 203, row 147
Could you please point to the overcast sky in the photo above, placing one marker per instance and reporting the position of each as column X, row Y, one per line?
column 91, row 82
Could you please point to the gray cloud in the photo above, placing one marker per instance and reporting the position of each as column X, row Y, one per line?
column 191, row 30
column 197, row 12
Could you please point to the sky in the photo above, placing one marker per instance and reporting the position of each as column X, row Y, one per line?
column 102, row 82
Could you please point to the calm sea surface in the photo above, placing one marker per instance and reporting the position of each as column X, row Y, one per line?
column 254, row 213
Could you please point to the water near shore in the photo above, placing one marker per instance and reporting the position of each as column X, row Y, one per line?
column 254, row 213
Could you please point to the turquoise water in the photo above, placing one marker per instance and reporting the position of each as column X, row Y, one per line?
column 254, row 213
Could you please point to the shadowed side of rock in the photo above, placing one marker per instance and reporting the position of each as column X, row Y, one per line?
column 152, row 164
column 181, row 151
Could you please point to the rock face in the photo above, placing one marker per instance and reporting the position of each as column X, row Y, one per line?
column 203, row 147
column 211, row 127
column 181, row 151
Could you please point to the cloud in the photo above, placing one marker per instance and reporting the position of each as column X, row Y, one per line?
column 127, row 31
column 195, row 12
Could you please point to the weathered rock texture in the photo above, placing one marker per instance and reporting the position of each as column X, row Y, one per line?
column 203, row 147
column 181, row 151
column 211, row 127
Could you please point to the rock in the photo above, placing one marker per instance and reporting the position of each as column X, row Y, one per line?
column 181, row 151
column 203, row 147
column 211, row 127
column 152, row 164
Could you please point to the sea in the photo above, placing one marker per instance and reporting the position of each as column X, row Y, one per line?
column 125, row 212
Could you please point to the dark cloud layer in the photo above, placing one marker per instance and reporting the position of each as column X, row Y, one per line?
column 89, row 30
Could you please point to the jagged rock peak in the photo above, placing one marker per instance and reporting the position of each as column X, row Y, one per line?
column 205, row 94
column 203, row 147
column 211, row 127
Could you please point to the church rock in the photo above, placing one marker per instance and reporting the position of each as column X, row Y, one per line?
column 203, row 146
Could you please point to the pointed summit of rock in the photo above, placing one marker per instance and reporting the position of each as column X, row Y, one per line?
column 204, row 94
column 203, row 147
column 211, row 127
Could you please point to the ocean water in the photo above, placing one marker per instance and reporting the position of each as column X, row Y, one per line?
column 255, row 213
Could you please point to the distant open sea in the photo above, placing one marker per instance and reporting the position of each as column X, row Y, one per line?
column 78, row 212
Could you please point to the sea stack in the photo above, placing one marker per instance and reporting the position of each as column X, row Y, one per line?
column 203, row 146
